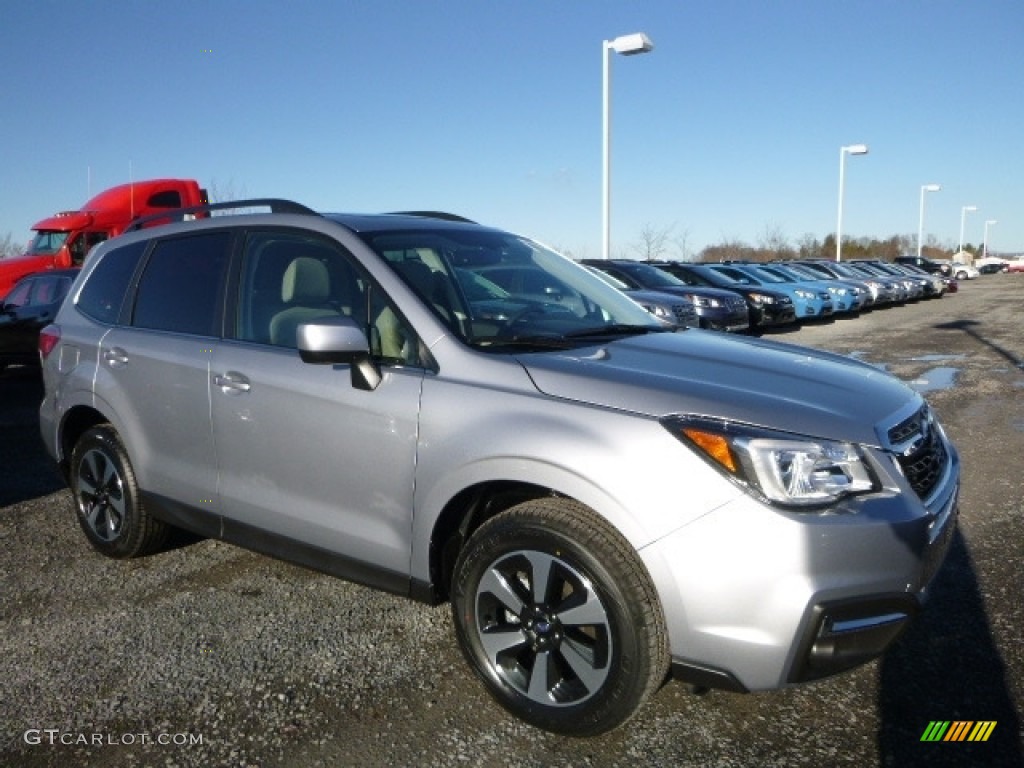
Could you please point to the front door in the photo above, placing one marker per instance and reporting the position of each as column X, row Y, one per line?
column 301, row 452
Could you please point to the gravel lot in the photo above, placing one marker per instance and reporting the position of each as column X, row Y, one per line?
column 207, row 655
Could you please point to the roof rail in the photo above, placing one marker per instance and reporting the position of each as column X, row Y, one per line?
column 276, row 205
column 436, row 215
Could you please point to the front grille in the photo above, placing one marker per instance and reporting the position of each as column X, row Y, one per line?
column 685, row 313
column 920, row 451
column 736, row 304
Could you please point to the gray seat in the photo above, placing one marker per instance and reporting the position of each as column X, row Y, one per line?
column 306, row 293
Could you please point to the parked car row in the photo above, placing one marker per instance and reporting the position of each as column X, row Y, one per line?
column 992, row 264
column 749, row 296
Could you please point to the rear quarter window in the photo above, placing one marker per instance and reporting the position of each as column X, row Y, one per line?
column 104, row 291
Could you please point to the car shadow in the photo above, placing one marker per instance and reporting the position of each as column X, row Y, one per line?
column 26, row 471
column 947, row 668
column 967, row 326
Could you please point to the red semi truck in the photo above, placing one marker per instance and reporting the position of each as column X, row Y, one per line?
column 63, row 240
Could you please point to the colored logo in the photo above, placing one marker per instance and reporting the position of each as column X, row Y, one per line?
column 958, row 730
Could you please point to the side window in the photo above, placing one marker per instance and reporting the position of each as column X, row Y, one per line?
column 54, row 290
column 182, row 286
column 289, row 278
column 82, row 245
column 392, row 339
column 19, row 295
column 104, row 291
column 46, row 291
column 168, row 198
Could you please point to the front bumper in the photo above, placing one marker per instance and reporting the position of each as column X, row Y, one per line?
column 724, row 320
column 776, row 314
column 757, row 599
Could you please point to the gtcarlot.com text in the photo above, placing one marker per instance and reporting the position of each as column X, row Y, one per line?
column 55, row 736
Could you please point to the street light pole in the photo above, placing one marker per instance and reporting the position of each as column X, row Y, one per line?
column 984, row 248
column 920, row 220
column 963, row 216
column 853, row 149
column 626, row 45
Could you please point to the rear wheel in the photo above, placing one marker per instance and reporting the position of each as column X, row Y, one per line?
column 107, row 499
column 558, row 616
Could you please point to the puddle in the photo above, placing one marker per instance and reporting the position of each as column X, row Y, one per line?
column 935, row 380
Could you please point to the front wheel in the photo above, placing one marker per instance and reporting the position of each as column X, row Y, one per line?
column 557, row 615
column 107, row 499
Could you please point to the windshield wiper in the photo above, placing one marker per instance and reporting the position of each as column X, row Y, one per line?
column 536, row 342
column 621, row 329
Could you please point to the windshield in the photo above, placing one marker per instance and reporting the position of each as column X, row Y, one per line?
column 846, row 271
column 613, row 281
column 47, row 242
column 652, row 277
column 767, row 275
column 734, row 275
column 495, row 290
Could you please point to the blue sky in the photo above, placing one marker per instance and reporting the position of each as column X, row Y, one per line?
column 729, row 130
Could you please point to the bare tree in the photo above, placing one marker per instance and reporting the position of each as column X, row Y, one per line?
column 681, row 242
column 730, row 249
column 9, row 248
column 653, row 242
column 774, row 244
column 809, row 247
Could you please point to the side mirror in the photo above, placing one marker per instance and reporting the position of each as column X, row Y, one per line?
column 339, row 341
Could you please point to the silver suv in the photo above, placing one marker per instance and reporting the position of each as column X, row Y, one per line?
column 604, row 500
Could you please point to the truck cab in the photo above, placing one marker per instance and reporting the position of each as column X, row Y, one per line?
column 65, row 239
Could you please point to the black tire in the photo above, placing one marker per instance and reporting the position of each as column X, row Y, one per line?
column 106, row 497
column 558, row 617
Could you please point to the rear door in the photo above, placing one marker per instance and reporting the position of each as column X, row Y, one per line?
column 155, row 368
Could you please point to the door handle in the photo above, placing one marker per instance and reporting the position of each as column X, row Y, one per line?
column 115, row 357
column 231, row 382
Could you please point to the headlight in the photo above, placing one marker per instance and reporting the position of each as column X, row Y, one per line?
column 658, row 311
column 784, row 469
column 762, row 298
column 703, row 301
column 804, row 294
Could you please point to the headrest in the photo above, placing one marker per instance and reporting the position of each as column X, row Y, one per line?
column 305, row 280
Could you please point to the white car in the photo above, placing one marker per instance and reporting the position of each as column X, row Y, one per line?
column 964, row 271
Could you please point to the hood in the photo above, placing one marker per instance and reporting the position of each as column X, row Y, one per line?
column 699, row 290
column 778, row 386
column 19, row 266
